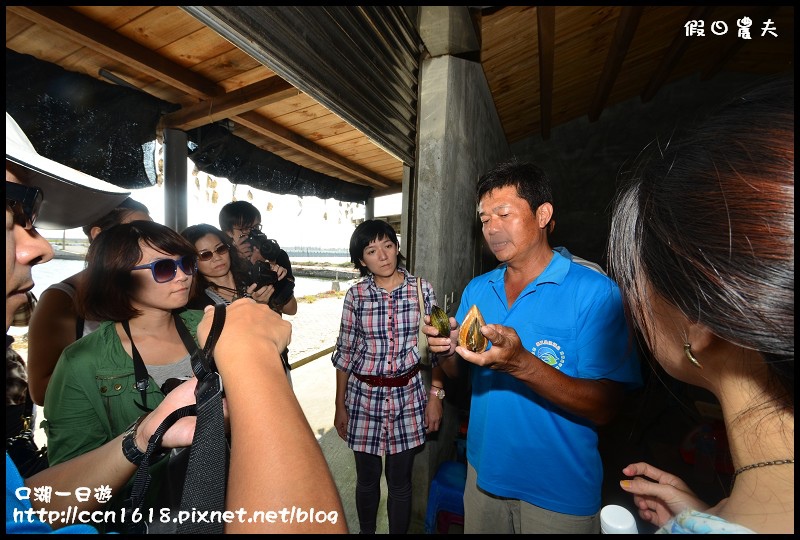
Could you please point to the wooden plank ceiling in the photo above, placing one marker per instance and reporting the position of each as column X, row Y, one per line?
column 545, row 66
column 549, row 65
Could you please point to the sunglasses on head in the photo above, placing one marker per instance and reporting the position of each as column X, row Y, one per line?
column 207, row 255
column 166, row 269
column 24, row 203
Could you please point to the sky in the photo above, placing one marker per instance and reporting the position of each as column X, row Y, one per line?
column 291, row 220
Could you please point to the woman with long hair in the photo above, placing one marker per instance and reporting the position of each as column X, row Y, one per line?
column 702, row 246
column 222, row 276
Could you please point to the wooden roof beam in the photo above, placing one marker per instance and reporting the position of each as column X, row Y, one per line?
column 673, row 54
column 242, row 100
column 275, row 131
column 623, row 36
column 546, row 23
column 88, row 33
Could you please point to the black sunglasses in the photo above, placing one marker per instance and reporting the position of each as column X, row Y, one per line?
column 24, row 202
column 207, row 255
column 166, row 269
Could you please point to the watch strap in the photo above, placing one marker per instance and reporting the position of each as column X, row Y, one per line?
column 129, row 448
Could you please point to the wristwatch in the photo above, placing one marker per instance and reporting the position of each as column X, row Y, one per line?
column 438, row 392
column 129, row 448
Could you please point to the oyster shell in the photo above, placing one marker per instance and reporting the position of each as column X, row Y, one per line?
column 440, row 321
column 469, row 336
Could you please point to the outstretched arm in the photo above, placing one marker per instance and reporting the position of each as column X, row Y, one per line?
column 107, row 465
column 276, row 462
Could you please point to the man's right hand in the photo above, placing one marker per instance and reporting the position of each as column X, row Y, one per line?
column 443, row 346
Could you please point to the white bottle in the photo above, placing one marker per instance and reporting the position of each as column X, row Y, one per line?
column 615, row 519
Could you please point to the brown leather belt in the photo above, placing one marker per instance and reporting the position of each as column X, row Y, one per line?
column 379, row 380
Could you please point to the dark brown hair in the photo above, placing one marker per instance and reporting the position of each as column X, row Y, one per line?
column 708, row 225
column 194, row 233
column 366, row 232
column 530, row 181
column 109, row 282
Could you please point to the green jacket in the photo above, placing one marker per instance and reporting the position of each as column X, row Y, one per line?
column 90, row 398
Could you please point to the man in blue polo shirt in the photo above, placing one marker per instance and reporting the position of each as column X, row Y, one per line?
column 559, row 363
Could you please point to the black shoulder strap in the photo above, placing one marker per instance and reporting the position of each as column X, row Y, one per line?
column 207, row 472
column 139, row 370
column 79, row 323
column 186, row 337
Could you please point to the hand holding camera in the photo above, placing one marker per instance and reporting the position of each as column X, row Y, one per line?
column 267, row 247
column 265, row 273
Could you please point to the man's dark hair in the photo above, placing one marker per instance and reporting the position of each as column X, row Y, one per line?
column 531, row 182
column 238, row 214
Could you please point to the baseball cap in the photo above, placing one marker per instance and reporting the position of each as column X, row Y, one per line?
column 71, row 198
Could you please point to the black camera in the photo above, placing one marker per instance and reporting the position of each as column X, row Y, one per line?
column 261, row 274
column 268, row 248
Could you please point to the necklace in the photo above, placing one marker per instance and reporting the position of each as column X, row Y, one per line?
column 234, row 292
column 762, row 464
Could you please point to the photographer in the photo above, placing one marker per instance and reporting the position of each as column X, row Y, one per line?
column 269, row 264
column 222, row 276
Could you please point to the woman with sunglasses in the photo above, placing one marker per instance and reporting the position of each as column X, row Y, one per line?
column 222, row 276
column 139, row 280
column 55, row 322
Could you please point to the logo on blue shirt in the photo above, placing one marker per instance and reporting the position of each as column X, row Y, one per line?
column 549, row 352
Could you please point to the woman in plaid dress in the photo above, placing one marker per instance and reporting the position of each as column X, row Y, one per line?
column 382, row 405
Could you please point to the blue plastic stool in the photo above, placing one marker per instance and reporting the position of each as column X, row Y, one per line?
column 446, row 493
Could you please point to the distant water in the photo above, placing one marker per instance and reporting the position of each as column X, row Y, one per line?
column 56, row 270
column 328, row 260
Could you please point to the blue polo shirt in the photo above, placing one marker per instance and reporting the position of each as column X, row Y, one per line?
column 17, row 506
column 521, row 445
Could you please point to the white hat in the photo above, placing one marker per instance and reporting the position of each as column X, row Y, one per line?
column 71, row 198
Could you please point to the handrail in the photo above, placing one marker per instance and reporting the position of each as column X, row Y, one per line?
column 311, row 358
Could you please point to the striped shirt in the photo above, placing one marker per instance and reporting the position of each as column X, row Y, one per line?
column 378, row 336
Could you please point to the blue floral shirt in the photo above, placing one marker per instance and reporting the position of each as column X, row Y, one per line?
column 694, row 522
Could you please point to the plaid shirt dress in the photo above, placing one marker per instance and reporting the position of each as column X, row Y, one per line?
column 378, row 336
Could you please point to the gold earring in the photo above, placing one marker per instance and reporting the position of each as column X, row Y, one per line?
column 687, row 348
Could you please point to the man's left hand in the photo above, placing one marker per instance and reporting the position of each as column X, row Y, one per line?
column 505, row 354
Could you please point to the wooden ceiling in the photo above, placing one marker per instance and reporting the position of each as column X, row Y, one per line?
column 545, row 66
column 548, row 65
